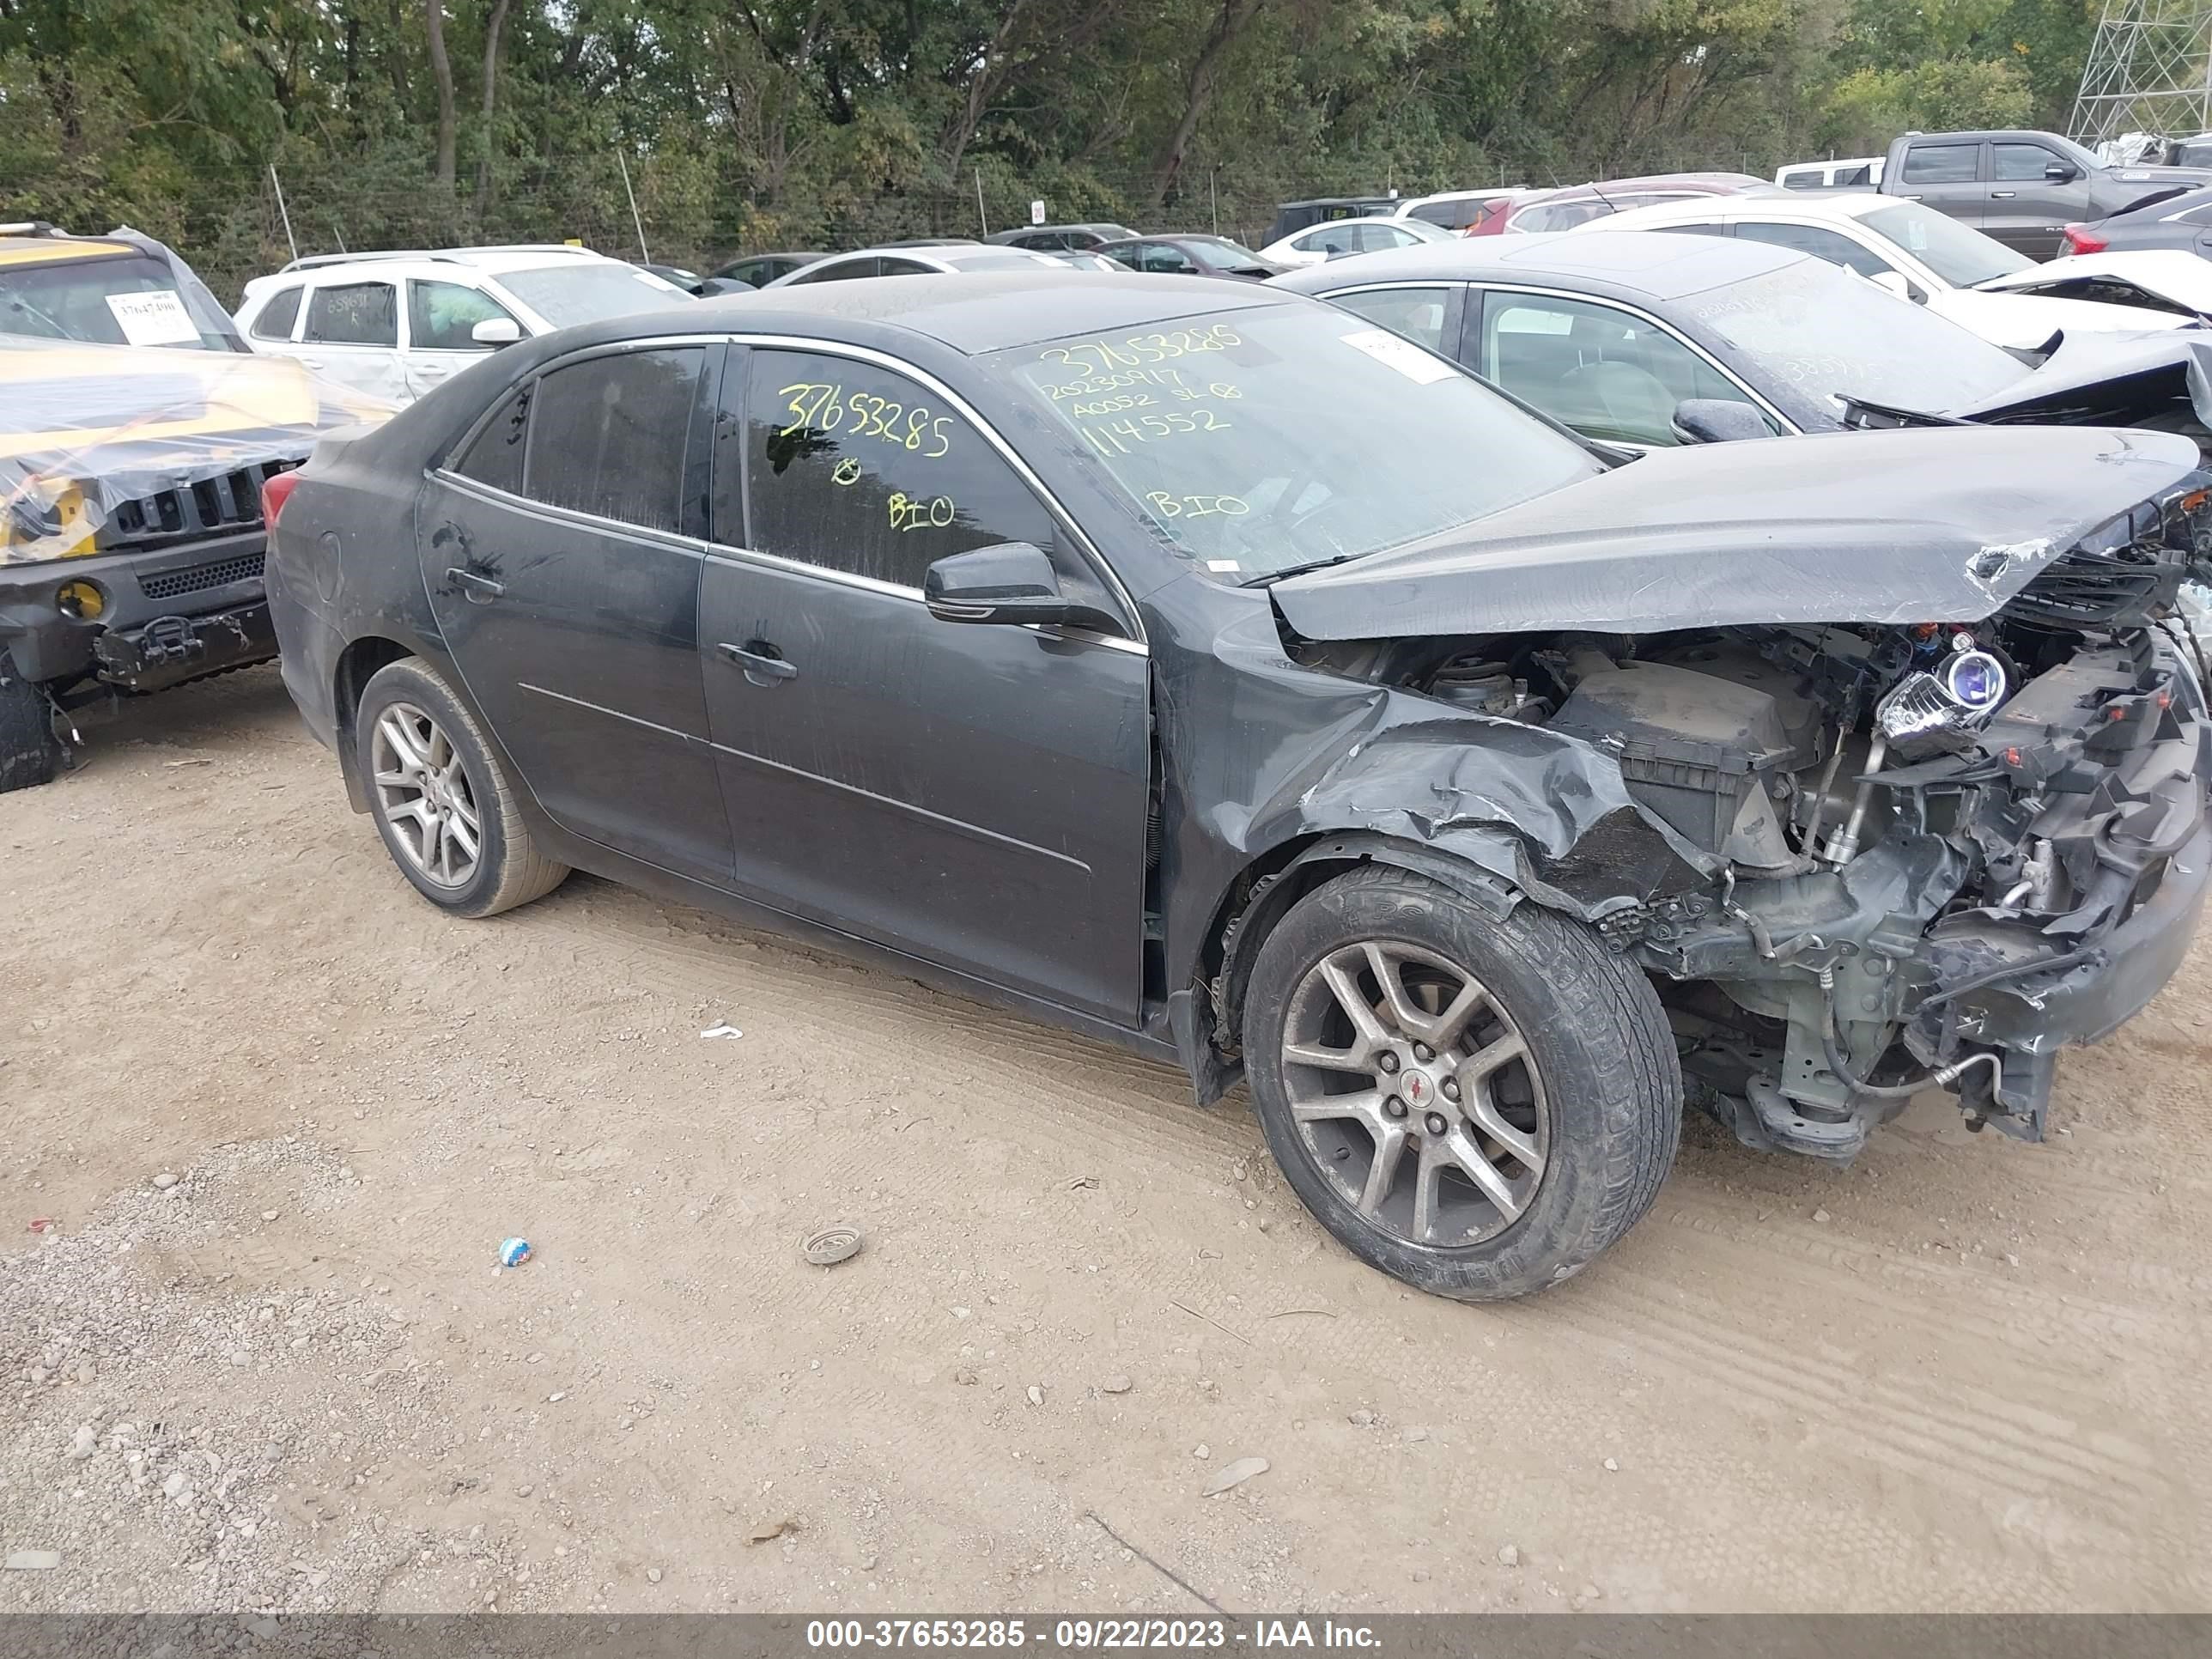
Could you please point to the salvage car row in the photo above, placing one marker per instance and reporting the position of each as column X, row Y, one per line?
column 1481, row 772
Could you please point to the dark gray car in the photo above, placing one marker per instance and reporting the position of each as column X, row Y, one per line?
column 2174, row 219
column 1201, row 668
column 1613, row 332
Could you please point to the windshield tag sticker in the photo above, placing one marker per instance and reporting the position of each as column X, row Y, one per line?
column 1224, row 567
column 153, row 319
column 1408, row 359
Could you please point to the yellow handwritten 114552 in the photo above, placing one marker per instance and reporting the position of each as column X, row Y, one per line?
column 1113, row 438
column 823, row 408
column 1103, row 356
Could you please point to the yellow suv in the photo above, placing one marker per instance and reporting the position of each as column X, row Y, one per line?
column 136, row 431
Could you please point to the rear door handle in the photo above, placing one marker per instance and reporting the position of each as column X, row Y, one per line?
column 2002, row 195
column 760, row 668
column 480, row 590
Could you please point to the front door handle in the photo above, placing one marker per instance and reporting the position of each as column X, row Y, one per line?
column 762, row 667
column 2002, row 195
column 479, row 589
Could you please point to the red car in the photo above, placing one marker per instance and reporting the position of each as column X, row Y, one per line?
column 1563, row 210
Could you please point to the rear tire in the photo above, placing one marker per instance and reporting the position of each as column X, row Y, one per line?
column 30, row 753
column 1478, row 1108
column 447, row 809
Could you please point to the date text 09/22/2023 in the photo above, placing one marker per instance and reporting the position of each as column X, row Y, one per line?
column 1084, row 1635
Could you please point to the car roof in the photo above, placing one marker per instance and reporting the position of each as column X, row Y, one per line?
column 1717, row 183
column 57, row 250
column 1776, row 203
column 429, row 261
column 981, row 313
column 1627, row 265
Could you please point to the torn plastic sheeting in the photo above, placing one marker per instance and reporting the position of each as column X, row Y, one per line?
column 91, row 427
column 206, row 311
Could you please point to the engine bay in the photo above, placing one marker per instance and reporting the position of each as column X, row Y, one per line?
column 1889, row 836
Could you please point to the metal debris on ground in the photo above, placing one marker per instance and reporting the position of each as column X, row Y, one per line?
column 828, row 1246
column 722, row 1031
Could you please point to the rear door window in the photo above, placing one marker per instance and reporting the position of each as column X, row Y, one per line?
column 1942, row 164
column 275, row 319
column 614, row 435
column 354, row 313
column 1821, row 242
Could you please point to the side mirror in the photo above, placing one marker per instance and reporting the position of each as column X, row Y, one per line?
column 2061, row 173
column 1010, row 582
column 1718, row 421
column 496, row 331
column 1894, row 282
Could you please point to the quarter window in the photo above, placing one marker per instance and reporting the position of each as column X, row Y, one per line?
column 611, row 436
column 1606, row 372
column 1416, row 312
column 1942, row 164
column 276, row 318
column 354, row 314
column 860, row 469
column 440, row 316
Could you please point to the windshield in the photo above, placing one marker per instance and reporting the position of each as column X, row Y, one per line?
column 1259, row 441
column 1960, row 256
column 127, row 301
column 1422, row 231
column 1827, row 333
column 587, row 291
column 1219, row 253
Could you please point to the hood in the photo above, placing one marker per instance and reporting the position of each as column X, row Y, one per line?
column 1897, row 526
column 2109, row 379
column 2024, row 322
column 2162, row 278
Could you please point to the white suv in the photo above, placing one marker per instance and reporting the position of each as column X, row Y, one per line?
column 396, row 325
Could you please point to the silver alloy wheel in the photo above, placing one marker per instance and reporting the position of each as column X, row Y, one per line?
column 1415, row 1093
column 423, row 792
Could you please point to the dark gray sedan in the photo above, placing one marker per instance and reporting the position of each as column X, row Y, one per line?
column 1207, row 670
column 1614, row 332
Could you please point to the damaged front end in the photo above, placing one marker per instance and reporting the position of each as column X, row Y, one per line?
column 1906, row 852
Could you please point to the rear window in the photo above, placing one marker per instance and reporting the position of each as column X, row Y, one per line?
column 132, row 300
column 1942, row 164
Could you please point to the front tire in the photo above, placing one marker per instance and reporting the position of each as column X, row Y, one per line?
column 447, row 809
column 30, row 754
column 1478, row 1108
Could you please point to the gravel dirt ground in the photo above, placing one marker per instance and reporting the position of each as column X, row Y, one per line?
column 1964, row 1374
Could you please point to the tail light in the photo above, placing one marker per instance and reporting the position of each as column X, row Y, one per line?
column 274, row 494
column 2079, row 239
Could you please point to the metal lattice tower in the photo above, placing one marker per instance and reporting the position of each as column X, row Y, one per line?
column 2149, row 70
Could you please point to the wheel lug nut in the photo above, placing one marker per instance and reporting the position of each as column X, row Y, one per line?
column 1451, row 1088
column 1388, row 1062
column 1423, row 1052
column 1393, row 1107
column 1435, row 1124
